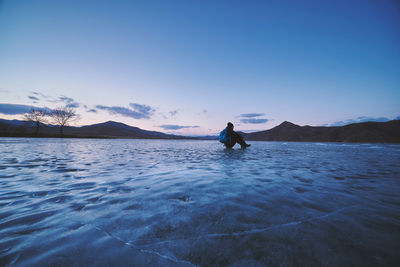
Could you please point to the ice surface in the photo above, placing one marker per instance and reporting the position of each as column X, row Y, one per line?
column 180, row 203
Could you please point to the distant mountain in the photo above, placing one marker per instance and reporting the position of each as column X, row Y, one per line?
column 117, row 129
column 13, row 122
column 366, row 132
column 109, row 129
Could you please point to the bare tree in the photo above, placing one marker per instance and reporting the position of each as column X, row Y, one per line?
column 62, row 116
column 37, row 116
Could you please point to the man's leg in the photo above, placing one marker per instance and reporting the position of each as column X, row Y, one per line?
column 238, row 138
column 230, row 143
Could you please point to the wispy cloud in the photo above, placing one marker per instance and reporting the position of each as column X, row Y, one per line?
column 33, row 98
column 169, row 114
column 145, row 110
column 357, row 120
column 88, row 109
column 39, row 96
column 73, row 105
column 175, row 127
column 252, row 118
column 68, row 101
column 36, row 93
column 173, row 113
column 65, row 99
column 253, row 121
column 251, row 115
column 137, row 112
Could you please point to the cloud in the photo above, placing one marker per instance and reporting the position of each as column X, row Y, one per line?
column 73, row 105
column 16, row 109
column 357, row 120
column 36, row 93
column 138, row 112
column 65, row 99
column 175, row 127
column 173, row 112
column 40, row 95
column 33, row 97
column 68, row 101
column 168, row 115
column 253, row 121
column 90, row 110
column 251, row 115
column 144, row 109
column 252, row 118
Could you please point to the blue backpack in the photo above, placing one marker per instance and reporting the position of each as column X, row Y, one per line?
column 222, row 136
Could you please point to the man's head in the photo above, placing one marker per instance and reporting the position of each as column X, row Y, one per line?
column 230, row 125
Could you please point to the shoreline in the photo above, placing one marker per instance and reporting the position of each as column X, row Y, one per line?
column 187, row 138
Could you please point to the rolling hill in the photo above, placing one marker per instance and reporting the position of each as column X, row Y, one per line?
column 109, row 129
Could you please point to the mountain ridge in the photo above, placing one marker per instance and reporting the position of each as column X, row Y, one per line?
column 365, row 132
column 368, row 132
column 108, row 129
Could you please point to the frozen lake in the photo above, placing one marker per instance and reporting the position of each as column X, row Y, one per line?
column 71, row 202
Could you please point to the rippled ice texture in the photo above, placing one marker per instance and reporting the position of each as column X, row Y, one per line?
column 180, row 203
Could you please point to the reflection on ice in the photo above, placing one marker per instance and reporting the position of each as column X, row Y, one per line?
column 173, row 203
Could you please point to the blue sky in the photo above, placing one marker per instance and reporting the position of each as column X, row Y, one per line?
column 191, row 66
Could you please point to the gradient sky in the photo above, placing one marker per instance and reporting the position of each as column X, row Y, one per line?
column 190, row 66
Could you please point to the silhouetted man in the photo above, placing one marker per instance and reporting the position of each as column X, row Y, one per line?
column 229, row 137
